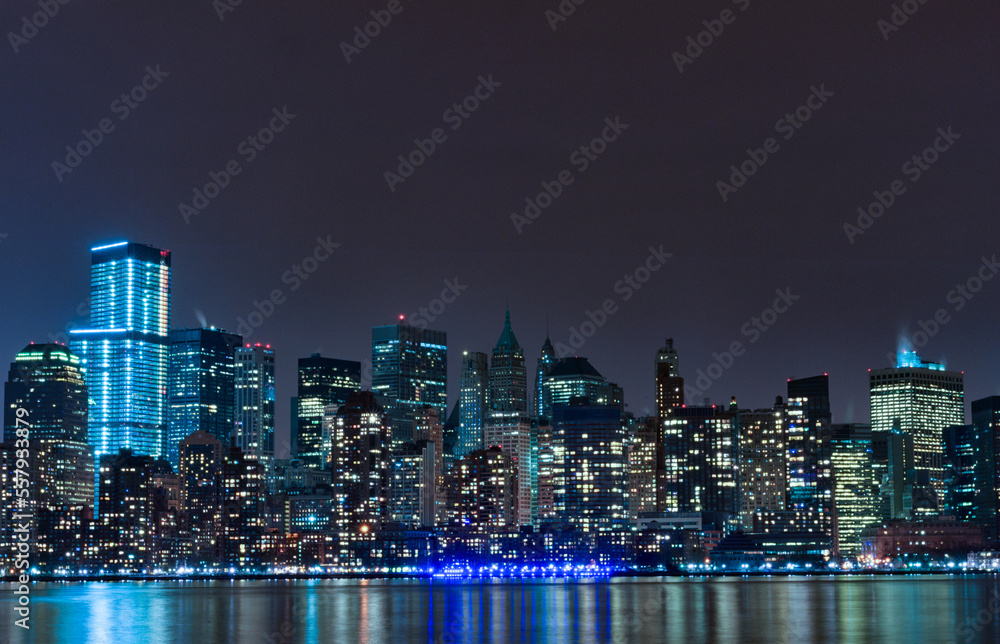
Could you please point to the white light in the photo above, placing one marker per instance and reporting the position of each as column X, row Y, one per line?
column 109, row 246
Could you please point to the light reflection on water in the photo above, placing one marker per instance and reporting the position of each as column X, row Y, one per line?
column 773, row 610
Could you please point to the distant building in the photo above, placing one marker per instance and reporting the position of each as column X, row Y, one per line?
column 940, row 536
column 125, row 532
column 576, row 377
column 482, row 491
column 412, row 488
column 200, row 470
column 642, row 461
column 809, row 466
column 591, row 491
column 472, row 405
column 986, row 472
column 700, row 460
column 409, row 370
column 361, row 457
column 762, row 461
column 322, row 382
column 924, row 398
column 242, row 509
column 854, row 496
column 125, row 351
column 201, row 392
column 546, row 360
column 669, row 384
column 255, row 402
column 959, row 472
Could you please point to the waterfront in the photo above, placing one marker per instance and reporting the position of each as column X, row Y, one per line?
column 938, row 608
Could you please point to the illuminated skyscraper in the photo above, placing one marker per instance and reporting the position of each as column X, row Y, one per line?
column 925, row 399
column 322, row 382
column 986, row 473
column 255, row 402
column 700, row 460
column 412, row 485
column 809, row 469
column 508, row 376
column 854, row 496
column 576, row 377
column 46, row 380
column 546, row 360
column 126, row 349
column 482, row 490
column 200, row 469
column 642, row 466
column 669, row 384
column 473, row 395
column 361, row 456
column 201, row 393
column 591, row 492
column 409, row 370
column 762, row 461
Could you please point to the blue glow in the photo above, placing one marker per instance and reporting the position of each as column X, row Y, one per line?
column 115, row 245
column 98, row 330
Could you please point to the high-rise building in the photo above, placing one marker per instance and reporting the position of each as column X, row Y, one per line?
column 669, row 384
column 126, row 533
column 409, row 370
column 546, row 360
column 576, row 377
column 809, row 475
column 255, row 402
column 508, row 376
column 361, row 455
column 924, row 398
column 986, row 439
column 591, row 492
column 643, row 435
column 482, row 490
column 47, row 382
column 201, row 392
column 322, row 382
column 243, row 484
column 125, row 351
column 762, row 455
column 200, row 469
column 512, row 432
column 412, row 485
column 429, row 428
column 854, row 496
column 473, row 395
column 700, row 460
column 960, row 472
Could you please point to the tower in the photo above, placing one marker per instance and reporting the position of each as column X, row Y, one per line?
column 255, row 402
column 669, row 384
column 473, row 395
column 322, row 382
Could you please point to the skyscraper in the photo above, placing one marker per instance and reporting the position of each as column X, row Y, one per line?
column 473, row 394
column 924, row 398
column 47, row 381
column 669, row 384
column 322, row 382
column 361, row 457
column 854, row 496
column 591, row 491
column 576, row 377
column 700, row 460
column 809, row 471
column 125, row 351
column 762, row 461
column 546, row 360
column 200, row 469
column 255, row 402
column 508, row 376
column 201, row 392
column 409, row 370
column 986, row 438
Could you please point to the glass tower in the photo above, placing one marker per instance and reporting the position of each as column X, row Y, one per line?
column 255, row 401
column 409, row 370
column 472, row 403
column 322, row 382
column 201, row 393
column 924, row 399
column 126, row 349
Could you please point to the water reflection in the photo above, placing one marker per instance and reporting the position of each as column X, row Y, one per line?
column 772, row 610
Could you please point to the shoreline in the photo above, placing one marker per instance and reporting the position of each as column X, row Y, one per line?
column 492, row 578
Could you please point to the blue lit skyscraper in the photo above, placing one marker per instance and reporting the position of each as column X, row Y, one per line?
column 125, row 351
column 255, row 402
column 409, row 370
column 202, row 388
column 472, row 403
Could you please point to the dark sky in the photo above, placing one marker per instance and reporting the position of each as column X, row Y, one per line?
column 654, row 186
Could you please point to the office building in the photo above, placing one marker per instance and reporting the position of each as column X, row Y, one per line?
column 699, row 445
column 201, row 394
column 576, row 377
column 322, row 382
column 762, row 455
column 361, row 455
column 986, row 473
column 854, row 496
column 669, row 384
column 546, row 360
column 255, row 402
column 473, row 396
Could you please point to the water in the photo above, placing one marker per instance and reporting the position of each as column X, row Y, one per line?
column 775, row 610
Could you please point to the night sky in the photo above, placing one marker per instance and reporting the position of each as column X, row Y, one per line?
column 880, row 96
